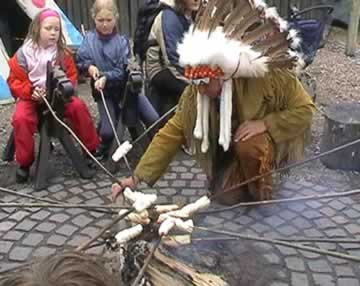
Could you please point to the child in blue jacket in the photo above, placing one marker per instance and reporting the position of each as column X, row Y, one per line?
column 104, row 55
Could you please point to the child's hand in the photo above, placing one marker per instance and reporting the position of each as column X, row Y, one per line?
column 100, row 83
column 38, row 93
column 93, row 72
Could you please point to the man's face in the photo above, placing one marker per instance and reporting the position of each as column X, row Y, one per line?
column 192, row 5
column 211, row 89
column 105, row 21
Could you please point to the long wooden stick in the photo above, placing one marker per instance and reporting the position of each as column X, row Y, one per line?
column 112, row 177
column 298, row 239
column 5, row 190
column 278, row 201
column 159, row 120
column 62, row 206
column 85, row 245
column 19, row 194
column 146, row 263
column 284, row 243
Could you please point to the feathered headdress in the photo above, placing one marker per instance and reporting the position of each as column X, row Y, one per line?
column 230, row 39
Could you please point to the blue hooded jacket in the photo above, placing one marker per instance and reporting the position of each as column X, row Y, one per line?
column 108, row 53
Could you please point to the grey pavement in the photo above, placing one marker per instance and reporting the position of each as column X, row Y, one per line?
column 27, row 233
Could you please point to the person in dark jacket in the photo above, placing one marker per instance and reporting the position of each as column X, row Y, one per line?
column 162, row 67
column 104, row 55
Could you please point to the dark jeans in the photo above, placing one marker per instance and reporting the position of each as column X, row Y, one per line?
column 168, row 90
column 140, row 109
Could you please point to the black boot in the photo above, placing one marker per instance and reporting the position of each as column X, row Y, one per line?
column 22, row 174
column 102, row 151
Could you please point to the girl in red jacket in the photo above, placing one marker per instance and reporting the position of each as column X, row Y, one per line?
column 45, row 42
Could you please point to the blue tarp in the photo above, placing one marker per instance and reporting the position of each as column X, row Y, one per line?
column 5, row 95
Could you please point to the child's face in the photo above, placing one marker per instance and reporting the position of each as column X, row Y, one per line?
column 49, row 32
column 105, row 21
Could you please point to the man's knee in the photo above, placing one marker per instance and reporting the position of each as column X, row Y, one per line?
column 253, row 148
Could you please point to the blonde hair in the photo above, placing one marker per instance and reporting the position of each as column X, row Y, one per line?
column 62, row 270
column 109, row 5
column 34, row 34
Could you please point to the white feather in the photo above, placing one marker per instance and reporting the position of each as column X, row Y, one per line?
column 213, row 12
column 259, row 4
column 295, row 42
column 221, row 51
column 205, row 124
column 292, row 34
column 271, row 13
column 283, row 25
column 293, row 38
column 222, row 119
column 252, row 67
column 300, row 63
column 198, row 130
column 228, row 113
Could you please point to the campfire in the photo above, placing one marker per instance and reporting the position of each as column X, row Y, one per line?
column 141, row 254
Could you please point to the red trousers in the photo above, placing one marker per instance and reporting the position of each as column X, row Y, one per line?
column 25, row 123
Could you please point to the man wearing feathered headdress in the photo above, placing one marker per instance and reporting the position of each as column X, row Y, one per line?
column 245, row 112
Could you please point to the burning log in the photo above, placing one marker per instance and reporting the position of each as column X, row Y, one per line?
column 164, row 270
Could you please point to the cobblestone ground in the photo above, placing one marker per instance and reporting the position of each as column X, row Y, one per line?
column 26, row 233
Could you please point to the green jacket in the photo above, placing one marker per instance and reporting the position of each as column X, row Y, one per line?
column 279, row 99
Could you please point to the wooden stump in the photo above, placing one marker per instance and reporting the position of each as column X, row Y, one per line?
column 342, row 125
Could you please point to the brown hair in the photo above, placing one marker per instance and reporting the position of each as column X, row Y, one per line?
column 34, row 34
column 63, row 269
column 104, row 4
column 180, row 7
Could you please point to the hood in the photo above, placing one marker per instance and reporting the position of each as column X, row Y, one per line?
column 170, row 3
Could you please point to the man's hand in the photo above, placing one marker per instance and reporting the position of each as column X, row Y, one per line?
column 93, row 72
column 100, row 83
column 130, row 182
column 38, row 93
column 249, row 129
